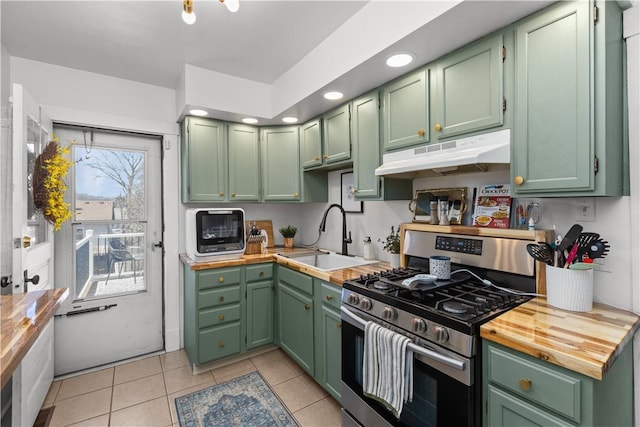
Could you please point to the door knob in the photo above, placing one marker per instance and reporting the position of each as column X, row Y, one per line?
column 35, row 280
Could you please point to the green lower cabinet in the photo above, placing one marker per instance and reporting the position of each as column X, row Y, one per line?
column 295, row 325
column 328, row 337
column 259, row 314
column 218, row 342
column 520, row 390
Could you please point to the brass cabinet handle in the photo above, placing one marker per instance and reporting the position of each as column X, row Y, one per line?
column 221, row 343
column 221, row 317
column 437, row 127
column 525, row 384
column 220, row 279
column 339, row 325
column 221, row 193
column 316, row 158
column 421, row 132
column 307, row 307
column 261, row 274
column 329, row 297
column 221, row 298
column 518, row 180
column 233, row 194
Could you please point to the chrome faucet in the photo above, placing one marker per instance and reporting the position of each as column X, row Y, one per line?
column 323, row 225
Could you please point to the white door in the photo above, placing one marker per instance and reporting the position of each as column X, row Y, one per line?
column 110, row 254
column 32, row 241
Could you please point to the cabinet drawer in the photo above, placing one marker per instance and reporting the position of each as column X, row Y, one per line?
column 259, row 272
column 218, row 277
column 218, row 297
column 300, row 281
column 219, row 342
column 532, row 379
column 219, row 316
column 331, row 295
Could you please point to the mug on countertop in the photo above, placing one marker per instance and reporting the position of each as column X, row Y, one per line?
column 440, row 266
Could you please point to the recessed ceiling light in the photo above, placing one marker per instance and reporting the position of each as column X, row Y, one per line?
column 332, row 96
column 290, row 119
column 399, row 60
column 198, row 112
column 250, row 120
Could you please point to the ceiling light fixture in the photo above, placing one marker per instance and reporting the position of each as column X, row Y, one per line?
column 400, row 60
column 189, row 16
column 290, row 119
column 197, row 112
column 332, row 96
column 250, row 120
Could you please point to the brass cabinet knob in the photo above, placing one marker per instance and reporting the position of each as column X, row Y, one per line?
column 261, row 274
column 325, row 156
column 220, row 279
column 221, row 298
column 233, row 194
column 316, row 158
column 329, row 297
column 307, row 307
column 221, row 317
column 295, row 194
column 421, row 132
column 221, row 343
column 518, row 180
column 437, row 127
column 525, row 384
column 339, row 325
column 221, row 193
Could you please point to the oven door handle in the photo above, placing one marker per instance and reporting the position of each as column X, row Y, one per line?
column 430, row 354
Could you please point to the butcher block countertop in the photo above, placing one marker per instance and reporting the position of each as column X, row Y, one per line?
column 22, row 318
column 584, row 342
column 336, row 276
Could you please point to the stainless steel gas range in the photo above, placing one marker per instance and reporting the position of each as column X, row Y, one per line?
column 489, row 275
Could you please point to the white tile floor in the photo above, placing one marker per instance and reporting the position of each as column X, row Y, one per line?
column 142, row 393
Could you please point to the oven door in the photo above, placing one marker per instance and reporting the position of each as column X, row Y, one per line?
column 438, row 398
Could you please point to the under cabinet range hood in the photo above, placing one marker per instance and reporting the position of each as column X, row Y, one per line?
column 473, row 153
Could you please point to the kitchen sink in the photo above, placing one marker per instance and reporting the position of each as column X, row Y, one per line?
column 327, row 261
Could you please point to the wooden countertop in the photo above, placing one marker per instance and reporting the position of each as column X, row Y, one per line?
column 584, row 342
column 336, row 276
column 22, row 319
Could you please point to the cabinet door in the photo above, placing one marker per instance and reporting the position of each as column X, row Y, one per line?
column 295, row 324
column 244, row 166
column 259, row 314
column 331, row 350
column 336, row 136
column 204, row 160
column 468, row 89
column 366, row 145
column 405, row 111
column 505, row 410
column 281, row 163
column 311, row 144
column 553, row 148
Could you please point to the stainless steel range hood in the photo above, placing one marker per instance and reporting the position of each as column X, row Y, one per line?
column 455, row 156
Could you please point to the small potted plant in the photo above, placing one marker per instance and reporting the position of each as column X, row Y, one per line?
column 288, row 232
column 391, row 244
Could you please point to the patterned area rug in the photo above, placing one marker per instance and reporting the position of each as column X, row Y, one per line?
column 244, row 401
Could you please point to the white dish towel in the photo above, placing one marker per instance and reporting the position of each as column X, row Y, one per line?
column 387, row 367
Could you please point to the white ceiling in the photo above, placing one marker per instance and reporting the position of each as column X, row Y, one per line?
column 147, row 41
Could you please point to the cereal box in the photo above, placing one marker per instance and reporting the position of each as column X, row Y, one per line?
column 492, row 206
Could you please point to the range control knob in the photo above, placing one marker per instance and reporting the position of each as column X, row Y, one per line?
column 366, row 304
column 389, row 313
column 419, row 325
column 441, row 334
column 353, row 299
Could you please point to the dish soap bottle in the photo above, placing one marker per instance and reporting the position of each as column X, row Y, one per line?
column 368, row 248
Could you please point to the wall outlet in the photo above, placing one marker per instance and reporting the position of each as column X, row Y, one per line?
column 585, row 209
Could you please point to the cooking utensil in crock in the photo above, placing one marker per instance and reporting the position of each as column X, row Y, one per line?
column 598, row 249
column 541, row 252
column 584, row 242
column 570, row 238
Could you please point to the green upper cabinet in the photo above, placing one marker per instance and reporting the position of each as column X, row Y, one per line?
column 244, row 163
column 280, row 163
column 203, row 160
column 467, row 89
column 311, row 144
column 365, row 126
column 336, row 136
column 405, row 111
column 569, row 129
